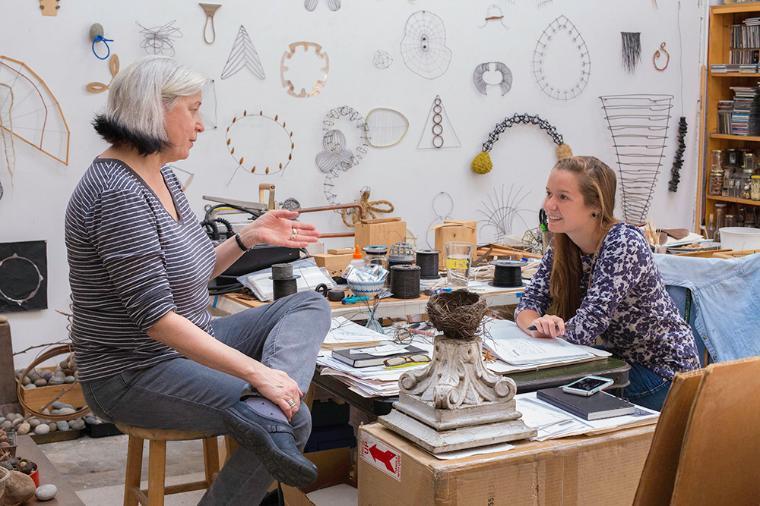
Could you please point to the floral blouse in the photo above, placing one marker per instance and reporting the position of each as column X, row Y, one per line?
column 626, row 305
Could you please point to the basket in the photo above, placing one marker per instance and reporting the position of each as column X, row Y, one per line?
column 740, row 238
column 367, row 288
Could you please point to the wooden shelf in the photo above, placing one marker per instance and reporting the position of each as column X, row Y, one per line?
column 735, row 200
column 735, row 8
column 756, row 75
column 727, row 137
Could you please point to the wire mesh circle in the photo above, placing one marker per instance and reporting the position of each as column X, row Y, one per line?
column 423, row 46
column 548, row 37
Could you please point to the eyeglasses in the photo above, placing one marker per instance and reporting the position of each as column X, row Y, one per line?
column 406, row 359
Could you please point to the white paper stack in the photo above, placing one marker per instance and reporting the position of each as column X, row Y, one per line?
column 522, row 352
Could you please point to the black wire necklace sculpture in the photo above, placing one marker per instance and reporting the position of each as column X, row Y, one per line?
column 482, row 162
column 638, row 124
column 23, row 273
column 243, row 55
column 631, row 50
column 423, row 46
column 505, row 84
column 675, row 170
column 557, row 91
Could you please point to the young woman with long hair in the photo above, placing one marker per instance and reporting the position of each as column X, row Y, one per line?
column 598, row 284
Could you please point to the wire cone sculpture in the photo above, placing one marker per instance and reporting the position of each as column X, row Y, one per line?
column 638, row 125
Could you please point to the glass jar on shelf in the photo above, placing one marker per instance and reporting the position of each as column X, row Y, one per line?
column 710, row 228
column 716, row 174
column 730, row 220
column 720, row 218
column 755, row 187
column 729, row 173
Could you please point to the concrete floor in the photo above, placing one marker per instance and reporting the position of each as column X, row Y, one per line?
column 94, row 468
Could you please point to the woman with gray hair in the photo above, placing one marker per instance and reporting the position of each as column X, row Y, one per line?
column 147, row 351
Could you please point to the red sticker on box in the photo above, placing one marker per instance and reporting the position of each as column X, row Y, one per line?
column 381, row 456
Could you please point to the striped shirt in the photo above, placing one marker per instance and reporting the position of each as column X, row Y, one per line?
column 130, row 263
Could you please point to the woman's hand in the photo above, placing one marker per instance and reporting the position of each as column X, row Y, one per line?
column 277, row 227
column 279, row 388
column 548, row 326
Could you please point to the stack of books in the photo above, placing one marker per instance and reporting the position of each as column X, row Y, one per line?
column 725, row 108
column 744, row 113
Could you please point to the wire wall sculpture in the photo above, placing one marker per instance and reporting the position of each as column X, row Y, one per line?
column 638, row 124
column 160, row 39
column 443, row 208
column 505, row 83
column 386, row 127
column 6, row 127
column 319, row 82
column 631, row 50
column 30, row 111
column 494, row 15
column 423, row 46
column 438, row 132
column 209, row 31
column 310, row 5
column 482, row 162
column 208, row 105
column 382, row 59
column 23, row 276
column 243, row 55
column 675, row 170
column 238, row 151
column 660, row 67
column 113, row 68
column 335, row 159
column 561, row 25
column 500, row 212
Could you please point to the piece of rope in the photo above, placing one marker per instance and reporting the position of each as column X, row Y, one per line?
column 370, row 209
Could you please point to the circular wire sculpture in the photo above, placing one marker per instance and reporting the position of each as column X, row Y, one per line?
column 424, row 45
column 319, row 82
column 247, row 164
column 334, row 141
column 31, row 292
column 561, row 24
column 506, row 77
column 382, row 59
column 386, row 127
column 482, row 162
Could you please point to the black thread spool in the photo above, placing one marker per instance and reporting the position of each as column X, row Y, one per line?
column 405, row 281
column 507, row 273
column 427, row 259
column 283, row 280
column 400, row 254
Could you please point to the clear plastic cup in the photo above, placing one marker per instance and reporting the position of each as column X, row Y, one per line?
column 458, row 262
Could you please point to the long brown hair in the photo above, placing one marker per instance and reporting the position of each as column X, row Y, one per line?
column 597, row 184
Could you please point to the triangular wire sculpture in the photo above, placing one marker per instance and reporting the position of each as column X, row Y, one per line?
column 439, row 131
column 243, row 55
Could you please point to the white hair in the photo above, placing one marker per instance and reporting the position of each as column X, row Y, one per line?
column 140, row 94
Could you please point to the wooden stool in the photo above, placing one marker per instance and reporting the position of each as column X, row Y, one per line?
column 157, row 489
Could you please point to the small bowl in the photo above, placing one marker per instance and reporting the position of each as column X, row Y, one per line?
column 368, row 288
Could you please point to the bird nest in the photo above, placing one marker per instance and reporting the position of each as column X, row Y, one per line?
column 457, row 314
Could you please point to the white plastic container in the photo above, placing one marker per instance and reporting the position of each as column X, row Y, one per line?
column 739, row 238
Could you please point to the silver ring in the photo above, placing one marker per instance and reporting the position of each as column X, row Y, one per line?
column 293, row 233
column 291, row 403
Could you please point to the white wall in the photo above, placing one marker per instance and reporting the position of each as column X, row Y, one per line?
column 58, row 49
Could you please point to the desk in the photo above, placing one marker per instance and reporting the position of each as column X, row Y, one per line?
column 27, row 448
column 232, row 303
column 527, row 381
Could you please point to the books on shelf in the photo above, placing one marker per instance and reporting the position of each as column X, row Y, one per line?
column 594, row 407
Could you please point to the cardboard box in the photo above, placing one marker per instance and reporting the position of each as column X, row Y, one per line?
column 588, row 470
column 335, row 264
column 334, row 467
column 383, row 232
column 453, row 231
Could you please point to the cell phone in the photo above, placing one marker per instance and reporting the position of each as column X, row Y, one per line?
column 587, row 385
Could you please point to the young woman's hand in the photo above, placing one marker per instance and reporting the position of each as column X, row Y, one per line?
column 548, row 326
column 277, row 227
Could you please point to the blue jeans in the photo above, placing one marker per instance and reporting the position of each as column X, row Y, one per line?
column 184, row 395
column 646, row 388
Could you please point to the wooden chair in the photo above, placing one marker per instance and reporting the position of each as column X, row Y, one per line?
column 157, row 489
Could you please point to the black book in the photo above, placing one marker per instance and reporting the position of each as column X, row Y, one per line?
column 595, row 407
column 356, row 358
